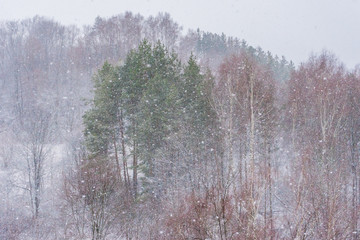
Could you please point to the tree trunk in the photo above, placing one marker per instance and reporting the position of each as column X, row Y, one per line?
column 135, row 180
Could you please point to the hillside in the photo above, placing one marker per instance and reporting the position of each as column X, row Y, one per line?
column 132, row 129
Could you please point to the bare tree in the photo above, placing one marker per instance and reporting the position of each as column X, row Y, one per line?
column 94, row 199
column 35, row 137
column 318, row 100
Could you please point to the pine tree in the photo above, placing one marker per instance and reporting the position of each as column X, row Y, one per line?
column 149, row 75
column 196, row 100
column 198, row 123
column 104, row 122
column 101, row 119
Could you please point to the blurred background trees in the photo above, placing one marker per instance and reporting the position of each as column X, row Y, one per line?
column 194, row 135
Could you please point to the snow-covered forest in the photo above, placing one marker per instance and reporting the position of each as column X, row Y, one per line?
column 132, row 128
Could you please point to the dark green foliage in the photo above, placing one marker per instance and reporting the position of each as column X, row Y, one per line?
column 199, row 115
column 158, row 117
column 216, row 47
column 152, row 103
column 212, row 42
column 150, row 75
column 100, row 121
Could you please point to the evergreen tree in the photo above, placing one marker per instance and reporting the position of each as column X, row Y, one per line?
column 149, row 75
column 145, row 103
column 198, row 124
column 101, row 120
column 196, row 100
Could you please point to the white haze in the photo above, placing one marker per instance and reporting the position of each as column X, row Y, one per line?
column 294, row 29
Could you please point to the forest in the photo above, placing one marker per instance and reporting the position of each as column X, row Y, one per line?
column 131, row 128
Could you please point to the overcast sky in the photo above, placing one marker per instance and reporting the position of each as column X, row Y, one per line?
column 284, row 27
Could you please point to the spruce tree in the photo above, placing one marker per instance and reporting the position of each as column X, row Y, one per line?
column 149, row 76
column 101, row 120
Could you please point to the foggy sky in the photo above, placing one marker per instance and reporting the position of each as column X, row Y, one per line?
column 284, row 27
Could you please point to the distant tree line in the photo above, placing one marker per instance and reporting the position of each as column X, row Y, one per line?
column 195, row 136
